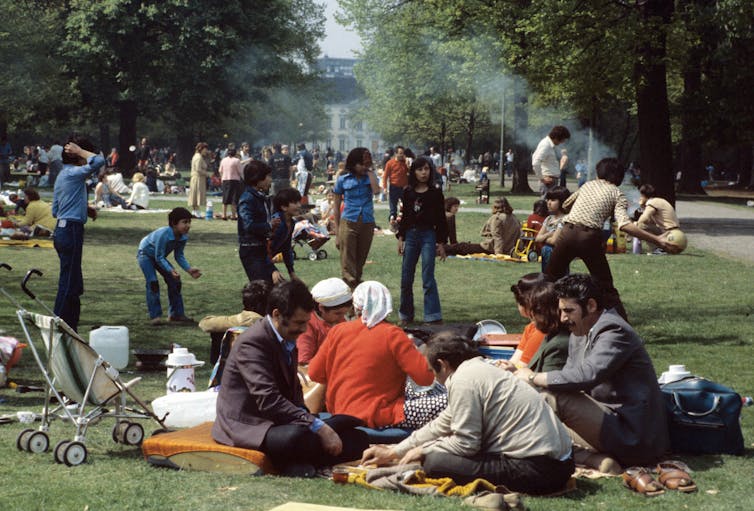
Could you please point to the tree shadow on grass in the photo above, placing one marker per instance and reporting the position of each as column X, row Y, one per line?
column 120, row 235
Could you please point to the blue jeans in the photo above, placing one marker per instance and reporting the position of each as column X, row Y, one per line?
column 546, row 252
column 396, row 193
column 69, row 244
column 419, row 242
column 256, row 263
column 150, row 268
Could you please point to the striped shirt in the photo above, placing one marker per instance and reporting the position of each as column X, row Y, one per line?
column 594, row 203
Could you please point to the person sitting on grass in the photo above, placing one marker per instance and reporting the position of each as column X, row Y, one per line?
column 607, row 392
column 538, row 215
column 499, row 233
column 139, row 198
column 261, row 404
column 105, row 196
column 365, row 364
column 552, row 225
column 452, row 205
column 657, row 215
column 152, row 256
column 532, row 336
column 38, row 220
column 495, row 427
column 334, row 302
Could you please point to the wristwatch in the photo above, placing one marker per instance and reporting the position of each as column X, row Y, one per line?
column 531, row 378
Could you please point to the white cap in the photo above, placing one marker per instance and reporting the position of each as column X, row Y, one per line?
column 331, row 292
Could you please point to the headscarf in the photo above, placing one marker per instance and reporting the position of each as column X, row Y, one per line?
column 374, row 301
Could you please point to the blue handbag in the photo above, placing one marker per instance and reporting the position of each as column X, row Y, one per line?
column 703, row 417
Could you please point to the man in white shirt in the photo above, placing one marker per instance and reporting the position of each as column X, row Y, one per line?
column 546, row 158
column 55, row 155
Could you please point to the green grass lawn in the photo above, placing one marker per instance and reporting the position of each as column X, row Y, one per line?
column 695, row 309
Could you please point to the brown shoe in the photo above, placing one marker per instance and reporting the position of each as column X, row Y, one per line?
column 158, row 321
column 181, row 319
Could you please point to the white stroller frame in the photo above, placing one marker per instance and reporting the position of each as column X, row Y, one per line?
column 76, row 376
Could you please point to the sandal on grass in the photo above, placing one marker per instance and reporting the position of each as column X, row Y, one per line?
column 674, row 475
column 640, row 480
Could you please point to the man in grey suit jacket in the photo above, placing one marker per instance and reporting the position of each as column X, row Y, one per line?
column 607, row 392
column 261, row 405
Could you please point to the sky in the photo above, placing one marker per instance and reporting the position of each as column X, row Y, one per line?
column 338, row 42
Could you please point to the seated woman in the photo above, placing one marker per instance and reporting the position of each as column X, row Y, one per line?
column 658, row 215
column 543, row 309
column 38, row 220
column 139, row 198
column 499, row 233
column 532, row 336
column 104, row 196
column 495, row 427
column 365, row 363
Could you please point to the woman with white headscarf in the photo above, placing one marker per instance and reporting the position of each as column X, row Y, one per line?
column 365, row 363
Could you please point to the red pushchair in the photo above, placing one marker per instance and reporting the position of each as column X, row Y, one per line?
column 310, row 237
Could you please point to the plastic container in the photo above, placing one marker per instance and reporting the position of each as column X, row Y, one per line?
column 180, row 371
column 209, row 212
column 111, row 342
column 186, row 410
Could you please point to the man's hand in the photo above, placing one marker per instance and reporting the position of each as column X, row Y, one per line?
column 413, row 456
column 330, row 440
column 505, row 365
column 523, row 374
column 277, row 277
column 378, row 455
column 194, row 272
column 401, row 244
column 441, row 252
column 175, row 274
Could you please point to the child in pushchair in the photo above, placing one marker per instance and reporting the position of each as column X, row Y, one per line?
column 311, row 237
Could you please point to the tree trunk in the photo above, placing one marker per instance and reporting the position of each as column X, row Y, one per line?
column 745, row 159
column 692, row 169
column 3, row 125
column 521, row 152
column 652, row 101
column 127, row 137
column 185, row 145
column 470, row 135
column 104, row 138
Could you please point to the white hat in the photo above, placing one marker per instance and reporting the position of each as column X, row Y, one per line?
column 331, row 292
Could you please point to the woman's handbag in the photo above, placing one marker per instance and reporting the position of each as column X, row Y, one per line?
column 703, row 417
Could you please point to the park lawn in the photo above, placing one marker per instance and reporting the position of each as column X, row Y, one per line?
column 695, row 308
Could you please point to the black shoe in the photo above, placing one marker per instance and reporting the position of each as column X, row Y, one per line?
column 297, row 469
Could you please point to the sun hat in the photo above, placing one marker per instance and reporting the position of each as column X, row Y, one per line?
column 331, row 292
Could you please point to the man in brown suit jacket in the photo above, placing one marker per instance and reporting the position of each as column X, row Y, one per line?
column 261, row 405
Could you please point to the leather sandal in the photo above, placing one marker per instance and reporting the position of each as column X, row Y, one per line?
column 640, row 480
column 674, row 475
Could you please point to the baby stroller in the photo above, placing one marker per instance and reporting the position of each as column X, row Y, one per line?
column 79, row 385
column 310, row 237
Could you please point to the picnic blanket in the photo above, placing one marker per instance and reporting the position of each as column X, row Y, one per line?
column 412, row 479
column 488, row 257
column 34, row 242
column 303, row 506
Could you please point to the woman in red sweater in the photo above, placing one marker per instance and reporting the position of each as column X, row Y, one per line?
column 365, row 363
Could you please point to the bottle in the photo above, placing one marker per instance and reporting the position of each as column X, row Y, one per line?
column 636, row 247
column 209, row 213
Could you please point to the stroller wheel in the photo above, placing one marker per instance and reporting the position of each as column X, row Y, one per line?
column 312, row 256
column 322, row 254
column 74, row 454
column 59, row 450
column 133, row 434
column 38, row 442
column 532, row 256
column 22, row 440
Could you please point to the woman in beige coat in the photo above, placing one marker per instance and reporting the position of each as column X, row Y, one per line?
column 198, row 186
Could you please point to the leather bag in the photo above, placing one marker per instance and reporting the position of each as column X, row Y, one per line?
column 703, row 417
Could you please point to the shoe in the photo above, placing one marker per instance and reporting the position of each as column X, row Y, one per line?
column 181, row 319
column 640, row 480
column 158, row 321
column 674, row 475
column 297, row 469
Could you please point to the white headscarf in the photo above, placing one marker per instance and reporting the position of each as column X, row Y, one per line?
column 374, row 301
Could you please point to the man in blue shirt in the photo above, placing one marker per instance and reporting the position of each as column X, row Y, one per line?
column 69, row 207
column 152, row 256
column 355, row 225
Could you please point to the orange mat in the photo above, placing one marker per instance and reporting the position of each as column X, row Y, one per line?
column 195, row 449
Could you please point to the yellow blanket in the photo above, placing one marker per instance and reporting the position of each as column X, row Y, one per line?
column 34, row 242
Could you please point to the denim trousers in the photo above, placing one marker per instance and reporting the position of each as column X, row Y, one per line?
column 256, row 263
column 396, row 193
column 69, row 244
column 150, row 268
column 419, row 242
